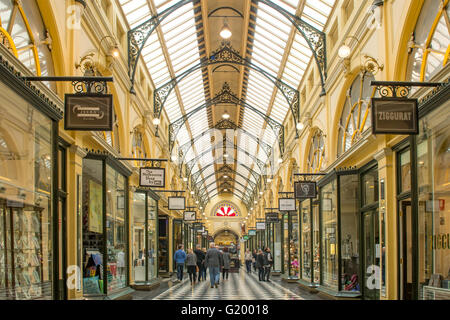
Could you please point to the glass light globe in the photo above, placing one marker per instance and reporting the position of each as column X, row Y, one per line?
column 156, row 121
column 225, row 32
column 300, row 126
column 344, row 51
column 226, row 116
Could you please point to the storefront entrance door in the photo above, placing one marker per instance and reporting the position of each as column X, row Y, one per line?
column 405, row 250
column 371, row 255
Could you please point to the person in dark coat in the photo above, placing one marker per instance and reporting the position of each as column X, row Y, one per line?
column 255, row 254
column 213, row 261
column 268, row 262
column 200, row 258
column 260, row 264
column 226, row 263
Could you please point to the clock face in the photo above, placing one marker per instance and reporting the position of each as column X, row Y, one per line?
column 226, row 210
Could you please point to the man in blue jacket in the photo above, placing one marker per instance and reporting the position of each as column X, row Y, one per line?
column 179, row 258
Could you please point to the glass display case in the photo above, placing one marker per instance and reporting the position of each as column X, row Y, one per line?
column 25, row 252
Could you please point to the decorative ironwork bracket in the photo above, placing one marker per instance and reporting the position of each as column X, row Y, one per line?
column 400, row 89
column 80, row 84
column 154, row 163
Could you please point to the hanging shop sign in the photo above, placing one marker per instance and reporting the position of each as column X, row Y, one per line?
column 285, row 204
column 152, row 177
column 201, row 230
column 205, row 233
column 305, row 190
column 189, row 216
column 197, row 226
column 272, row 217
column 252, row 232
column 177, row 203
column 245, row 238
column 260, row 226
column 88, row 111
column 395, row 116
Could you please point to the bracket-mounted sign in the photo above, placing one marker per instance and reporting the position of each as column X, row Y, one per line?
column 177, row 203
column 189, row 216
column 305, row 190
column 272, row 217
column 152, row 177
column 252, row 232
column 287, row 204
column 88, row 111
column 395, row 116
column 260, row 226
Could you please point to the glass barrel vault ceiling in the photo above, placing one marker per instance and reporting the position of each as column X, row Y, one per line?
column 276, row 46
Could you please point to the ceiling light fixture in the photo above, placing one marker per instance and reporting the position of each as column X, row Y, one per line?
column 226, row 115
column 225, row 32
column 156, row 121
column 185, row 179
column 300, row 126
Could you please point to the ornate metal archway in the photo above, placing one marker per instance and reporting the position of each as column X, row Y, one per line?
column 226, row 96
column 316, row 40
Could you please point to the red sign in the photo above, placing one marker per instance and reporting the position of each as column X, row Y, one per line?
column 441, row 204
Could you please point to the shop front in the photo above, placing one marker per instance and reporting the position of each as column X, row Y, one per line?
column 350, row 249
column 273, row 236
column 423, row 196
column 290, row 243
column 29, row 247
column 163, row 245
column 178, row 237
column 105, row 226
column 144, row 210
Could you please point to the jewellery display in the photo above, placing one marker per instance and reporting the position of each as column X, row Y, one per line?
column 21, row 253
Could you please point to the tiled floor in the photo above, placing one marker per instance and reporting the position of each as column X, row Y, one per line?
column 239, row 286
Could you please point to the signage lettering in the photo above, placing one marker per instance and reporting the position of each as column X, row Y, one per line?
column 152, row 177
column 88, row 111
column 394, row 115
column 439, row 242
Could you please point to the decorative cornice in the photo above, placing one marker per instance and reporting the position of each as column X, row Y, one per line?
column 383, row 153
column 77, row 150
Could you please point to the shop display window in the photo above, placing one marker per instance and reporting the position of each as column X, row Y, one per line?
column 138, row 213
column 433, row 174
column 103, row 184
column 277, row 246
column 349, row 232
column 316, row 243
column 116, row 243
column 306, row 239
column 144, row 237
column 26, row 256
column 93, row 241
column 328, row 196
column 152, row 209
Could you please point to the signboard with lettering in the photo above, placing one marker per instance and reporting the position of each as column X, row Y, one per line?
column 201, row 230
column 152, row 177
column 245, row 238
column 285, row 204
column 305, row 190
column 272, row 217
column 88, row 111
column 205, row 233
column 177, row 203
column 252, row 232
column 395, row 116
column 260, row 226
column 189, row 216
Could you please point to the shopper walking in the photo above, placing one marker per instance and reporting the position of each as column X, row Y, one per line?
column 254, row 254
column 221, row 261
column 191, row 264
column 226, row 263
column 268, row 262
column 204, row 265
column 179, row 258
column 248, row 261
column 213, row 262
column 260, row 264
column 200, row 258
